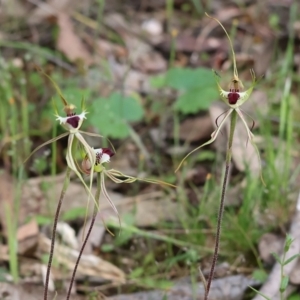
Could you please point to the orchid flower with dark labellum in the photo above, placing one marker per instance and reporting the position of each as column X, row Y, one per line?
column 233, row 98
column 103, row 156
column 72, row 123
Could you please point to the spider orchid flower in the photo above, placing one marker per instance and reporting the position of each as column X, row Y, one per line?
column 103, row 156
column 72, row 123
column 234, row 98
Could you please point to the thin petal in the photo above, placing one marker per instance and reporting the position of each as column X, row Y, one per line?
column 98, row 135
column 213, row 137
column 46, row 143
column 114, row 174
column 72, row 166
column 90, row 133
column 92, row 158
column 108, row 197
column 223, row 94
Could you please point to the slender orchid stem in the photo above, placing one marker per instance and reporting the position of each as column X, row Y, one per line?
column 97, row 196
column 62, row 196
column 222, row 202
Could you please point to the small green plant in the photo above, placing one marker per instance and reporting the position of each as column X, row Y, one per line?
column 117, row 111
column 196, row 88
column 282, row 261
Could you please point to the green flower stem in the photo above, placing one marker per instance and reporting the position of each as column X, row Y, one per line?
column 97, row 196
column 222, row 202
column 62, row 196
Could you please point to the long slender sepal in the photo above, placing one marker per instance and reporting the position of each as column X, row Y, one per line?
column 213, row 137
column 46, row 143
column 235, row 72
column 58, row 90
column 105, row 193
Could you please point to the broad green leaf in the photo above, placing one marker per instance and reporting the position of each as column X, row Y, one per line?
column 110, row 115
column 186, row 78
column 294, row 297
column 260, row 275
column 158, row 81
column 196, row 99
column 197, row 88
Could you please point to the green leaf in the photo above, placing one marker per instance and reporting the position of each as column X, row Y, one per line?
column 185, row 78
column 260, row 275
column 197, row 88
column 43, row 220
column 196, row 99
column 205, row 155
column 157, row 284
column 107, row 247
column 74, row 213
column 111, row 115
column 288, row 242
column 284, row 283
column 291, row 259
column 278, row 259
column 137, row 273
column 294, row 297
column 259, row 293
column 158, row 81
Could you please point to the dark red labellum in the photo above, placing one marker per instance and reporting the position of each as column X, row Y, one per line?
column 108, row 152
column 73, row 121
column 233, row 96
column 104, row 151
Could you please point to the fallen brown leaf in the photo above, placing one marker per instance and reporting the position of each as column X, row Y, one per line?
column 90, row 265
column 269, row 243
column 195, row 129
column 27, row 237
column 69, row 42
column 6, row 197
column 27, row 230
